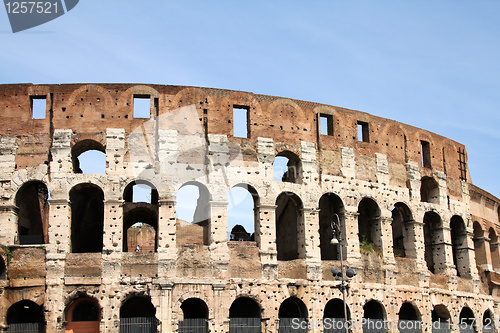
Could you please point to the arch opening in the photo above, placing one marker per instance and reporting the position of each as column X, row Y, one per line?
column 479, row 245
column 87, row 218
column 433, row 241
column 369, row 228
column 466, row 320
column 138, row 314
column 193, row 214
column 242, row 213
column 289, row 233
column 32, row 217
column 287, row 167
column 89, row 157
column 26, row 316
column 459, row 246
column 244, row 315
column 195, row 312
column 330, row 204
column 429, row 190
column 403, row 235
column 292, row 313
column 374, row 315
column 83, row 316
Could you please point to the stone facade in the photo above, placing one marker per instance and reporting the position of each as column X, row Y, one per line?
column 420, row 236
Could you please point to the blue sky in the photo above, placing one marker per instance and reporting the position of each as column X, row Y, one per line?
column 430, row 64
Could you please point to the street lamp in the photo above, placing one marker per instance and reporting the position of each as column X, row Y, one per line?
column 349, row 273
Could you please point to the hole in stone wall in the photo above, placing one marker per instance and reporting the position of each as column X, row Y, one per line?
column 429, row 190
column 89, row 157
column 326, row 124
column 193, row 208
column 288, row 219
column 38, row 107
column 241, row 213
column 287, row 168
column 32, row 218
column 87, row 218
column 363, row 132
column 330, row 204
column 241, row 121
column 24, row 312
column 425, row 151
column 142, row 106
column 369, row 228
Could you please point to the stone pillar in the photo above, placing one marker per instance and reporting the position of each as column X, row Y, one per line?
column 310, row 168
column 482, row 248
column 267, row 245
column 311, row 243
column 495, row 256
column 115, row 151
column 219, row 323
column 8, row 221
column 219, row 253
column 167, row 239
column 61, row 152
column 348, row 168
column 59, row 226
column 351, row 237
column 387, row 244
column 443, row 258
column 113, row 226
column 165, row 313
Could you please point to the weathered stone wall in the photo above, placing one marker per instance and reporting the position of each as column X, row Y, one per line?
column 188, row 139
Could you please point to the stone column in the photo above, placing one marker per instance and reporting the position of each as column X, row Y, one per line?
column 167, row 239
column 443, row 259
column 267, row 245
column 351, row 237
column 113, row 237
column 165, row 315
column 59, row 226
column 387, row 243
column 219, row 323
column 8, row 221
column 311, row 243
column 219, row 253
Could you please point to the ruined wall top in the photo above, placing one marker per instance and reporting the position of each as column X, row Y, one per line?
column 89, row 109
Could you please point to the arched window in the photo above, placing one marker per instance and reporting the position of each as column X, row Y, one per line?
column 244, row 315
column 140, row 191
column 429, row 190
column 434, row 242
column 479, row 247
column 137, row 314
column 488, row 322
column 25, row 316
column 87, row 218
column 193, row 214
column 374, row 315
column 334, row 316
column 287, row 167
column 292, row 313
column 466, row 320
column 369, row 228
column 140, row 217
column 459, row 246
column 289, row 235
column 83, row 315
column 409, row 319
column 440, row 317
column 494, row 248
column 242, row 213
column 330, row 204
column 89, row 157
column 403, row 236
column 32, row 220
column 195, row 312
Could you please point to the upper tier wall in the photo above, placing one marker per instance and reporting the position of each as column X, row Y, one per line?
column 89, row 109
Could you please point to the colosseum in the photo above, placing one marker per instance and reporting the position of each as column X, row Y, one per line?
column 82, row 251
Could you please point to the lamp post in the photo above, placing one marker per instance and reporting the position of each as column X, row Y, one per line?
column 337, row 240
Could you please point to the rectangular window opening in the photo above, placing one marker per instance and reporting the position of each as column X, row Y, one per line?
column 142, row 106
column 241, row 121
column 363, row 133
column 425, row 151
column 38, row 107
column 326, row 124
